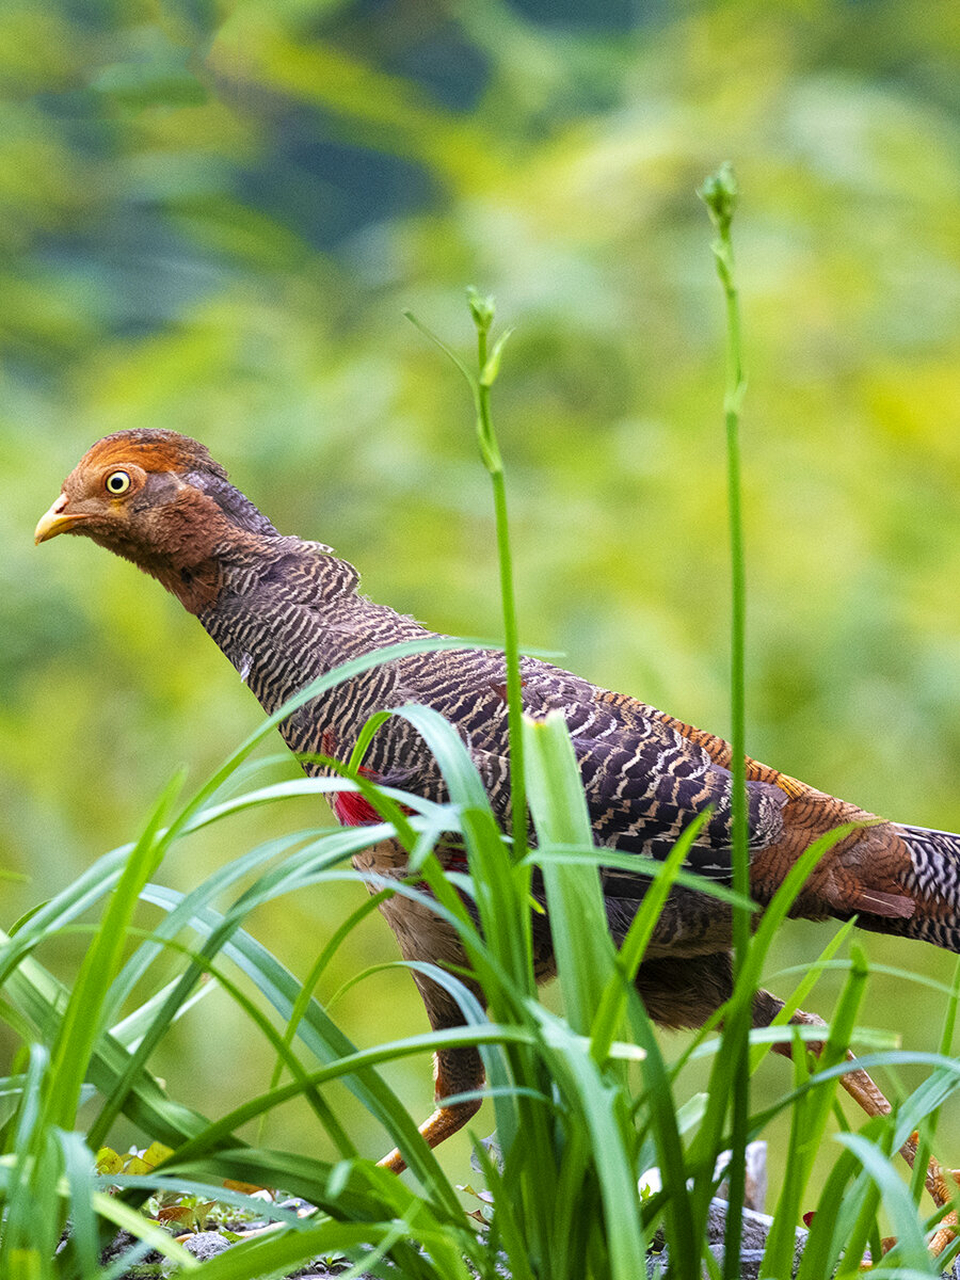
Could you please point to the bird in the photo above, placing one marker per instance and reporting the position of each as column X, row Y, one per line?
column 285, row 610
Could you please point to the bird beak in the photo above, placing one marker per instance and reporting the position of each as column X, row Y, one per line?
column 55, row 521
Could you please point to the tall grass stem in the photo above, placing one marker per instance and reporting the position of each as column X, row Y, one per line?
column 719, row 193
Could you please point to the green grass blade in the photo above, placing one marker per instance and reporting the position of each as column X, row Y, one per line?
column 315, row 689
column 710, row 1142
column 83, row 1016
column 312, row 980
column 203, row 963
column 81, row 1180
column 507, row 1226
column 582, row 944
column 719, row 193
column 31, row 1212
column 130, row 1031
column 77, row 898
column 686, row 1239
column 221, row 1130
column 928, row 1129
column 336, row 845
column 321, row 1036
column 177, row 1183
column 811, row 975
column 43, row 998
column 319, row 853
column 809, row 1121
column 482, row 311
column 280, row 1255
column 614, row 997
column 500, row 890
column 829, row 1230
column 911, row 1247
column 603, row 1108
column 651, row 868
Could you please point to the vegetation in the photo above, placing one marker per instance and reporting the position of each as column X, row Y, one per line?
column 575, row 1132
column 213, row 220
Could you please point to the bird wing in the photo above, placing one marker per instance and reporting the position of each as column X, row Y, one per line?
column 646, row 777
column 687, row 771
column 646, row 780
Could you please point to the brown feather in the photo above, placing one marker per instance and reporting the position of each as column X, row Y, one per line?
column 154, row 450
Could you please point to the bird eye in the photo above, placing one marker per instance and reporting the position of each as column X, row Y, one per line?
column 117, row 482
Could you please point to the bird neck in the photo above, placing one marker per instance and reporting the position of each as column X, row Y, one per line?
column 287, row 611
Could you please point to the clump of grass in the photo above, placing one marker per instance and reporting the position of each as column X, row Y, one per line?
column 584, row 1104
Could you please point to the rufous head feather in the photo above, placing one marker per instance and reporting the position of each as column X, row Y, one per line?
column 157, row 498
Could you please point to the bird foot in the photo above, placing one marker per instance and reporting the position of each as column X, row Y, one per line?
column 445, row 1121
column 944, row 1235
column 942, row 1185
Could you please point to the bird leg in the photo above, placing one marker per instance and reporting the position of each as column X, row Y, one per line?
column 426, row 938
column 868, row 1096
column 686, row 991
column 456, row 1071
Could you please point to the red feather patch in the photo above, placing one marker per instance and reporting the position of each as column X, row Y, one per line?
column 351, row 809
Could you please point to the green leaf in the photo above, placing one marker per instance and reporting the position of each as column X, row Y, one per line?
column 491, row 367
column 582, row 944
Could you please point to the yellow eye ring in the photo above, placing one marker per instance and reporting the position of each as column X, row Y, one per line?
column 117, row 483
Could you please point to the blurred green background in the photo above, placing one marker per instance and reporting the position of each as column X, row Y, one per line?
column 211, row 218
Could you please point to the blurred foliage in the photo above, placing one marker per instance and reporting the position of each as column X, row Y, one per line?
column 211, row 217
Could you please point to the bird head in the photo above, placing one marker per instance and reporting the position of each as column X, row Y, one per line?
column 159, row 499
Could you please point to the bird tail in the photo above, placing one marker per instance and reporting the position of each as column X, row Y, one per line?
column 932, row 879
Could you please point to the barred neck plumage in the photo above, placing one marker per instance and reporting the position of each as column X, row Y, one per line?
column 289, row 611
column 250, row 561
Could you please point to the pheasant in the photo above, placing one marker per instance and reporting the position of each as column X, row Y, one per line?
column 285, row 610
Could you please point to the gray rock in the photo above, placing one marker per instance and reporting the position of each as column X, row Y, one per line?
column 755, row 1191
column 756, row 1228
column 204, row 1245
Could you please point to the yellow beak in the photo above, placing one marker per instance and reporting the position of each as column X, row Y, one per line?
column 55, row 521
